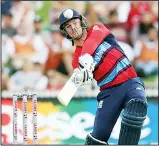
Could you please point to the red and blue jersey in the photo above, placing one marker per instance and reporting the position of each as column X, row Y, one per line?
column 112, row 66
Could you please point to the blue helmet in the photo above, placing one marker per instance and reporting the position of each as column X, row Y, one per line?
column 68, row 15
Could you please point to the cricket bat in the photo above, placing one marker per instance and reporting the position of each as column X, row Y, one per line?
column 68, row 91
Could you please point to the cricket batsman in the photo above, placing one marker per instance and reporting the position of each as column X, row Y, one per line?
column 98, row 56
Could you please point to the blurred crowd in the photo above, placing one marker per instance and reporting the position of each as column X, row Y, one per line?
column 36, row 56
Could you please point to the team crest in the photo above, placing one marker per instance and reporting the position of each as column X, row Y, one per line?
column 68, row 13
column 96, row 27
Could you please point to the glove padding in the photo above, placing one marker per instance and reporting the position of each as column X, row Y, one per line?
column 84, row 72
column 87, row 65
column 87, row 77
column 82, row 75
column 86, row 61
column 78, row 78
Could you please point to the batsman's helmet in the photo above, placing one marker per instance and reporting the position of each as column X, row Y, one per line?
column 68, row 15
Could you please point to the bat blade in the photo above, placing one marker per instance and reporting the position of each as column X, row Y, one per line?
column 68, row 91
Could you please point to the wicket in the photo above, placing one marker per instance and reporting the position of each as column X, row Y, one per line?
column 25, row 126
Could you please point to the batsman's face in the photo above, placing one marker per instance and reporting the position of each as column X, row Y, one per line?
column 74, row 29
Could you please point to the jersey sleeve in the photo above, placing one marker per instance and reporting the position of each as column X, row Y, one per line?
column 98, row 33
column 75, row 57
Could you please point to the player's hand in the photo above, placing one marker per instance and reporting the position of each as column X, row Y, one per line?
column 86, row 61
column 87, row 77
column 86, row 65
column 78, row 76
column 82, row 76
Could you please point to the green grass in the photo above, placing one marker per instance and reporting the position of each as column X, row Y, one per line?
column 150, row 78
